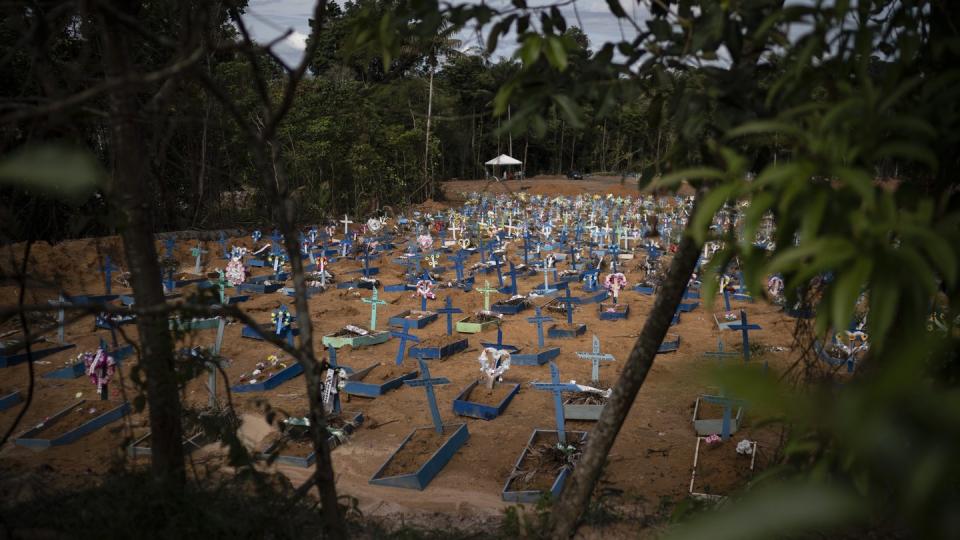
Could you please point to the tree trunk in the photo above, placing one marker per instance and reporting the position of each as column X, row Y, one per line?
column 574, row 499
column 560, row 150
column 128, row 189
column 426, row 146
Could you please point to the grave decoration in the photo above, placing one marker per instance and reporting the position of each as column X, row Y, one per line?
column 570, row 329
column 487, row 398
column 100, row 367
column 515, row 304
column 281, row 325
column 235, row 272
column 77, row 366
column 483, row 319
column 425, row 451
column 588, row 402
column 614, row 283
column 357, row 336
column 550, row 456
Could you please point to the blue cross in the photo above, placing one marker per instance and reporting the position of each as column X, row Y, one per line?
column 170, row 243
column 404, row 335
column 449, row 310
column 727, row 404
column 546, row 283
column 428, row 383
column 726, row 299
column 223, row 245
column 557, row 388
column 590, row 280
column 107, row 274
column 720, row 353
column 745, row 329
column 539, row 319
column 458, row 263
column 513, row 280
column 526, row 247
column 595, row 357
column 366, row 263
column 496, row 261
column 569, row 301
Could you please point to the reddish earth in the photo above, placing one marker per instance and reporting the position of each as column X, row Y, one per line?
column 650, row 462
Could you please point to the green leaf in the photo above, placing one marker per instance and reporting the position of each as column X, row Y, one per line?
column 556, row 53
column 907, row 150
column 616, row 8
column 846, row 290
column 784, row 510
column 696, row 173
column 53, row 170
column 763, row 127
column 570, row 109
column 530, row 50
column 706, row 209
column 883, row 304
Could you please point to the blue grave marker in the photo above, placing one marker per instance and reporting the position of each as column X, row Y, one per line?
column 403, row 335
column 595, row 357
column 745, row 329
column 449, row 311
column 557, row 388
column 428, row 383
column 539, row 319
column 374, row 301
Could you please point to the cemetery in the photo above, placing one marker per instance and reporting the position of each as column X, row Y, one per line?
column 570, row 269
column 534, row 331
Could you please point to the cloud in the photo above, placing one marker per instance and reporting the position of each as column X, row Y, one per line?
column 297, row 40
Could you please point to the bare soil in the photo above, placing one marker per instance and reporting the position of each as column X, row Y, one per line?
column 721, row 470
column 78, row 416
column 416, row 452
column 484, row 396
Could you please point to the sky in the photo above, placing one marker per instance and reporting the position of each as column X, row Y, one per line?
column 268, row 19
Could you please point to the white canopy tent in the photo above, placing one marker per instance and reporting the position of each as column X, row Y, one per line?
column 503, row 160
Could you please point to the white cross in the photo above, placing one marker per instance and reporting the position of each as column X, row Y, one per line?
column 346, row 224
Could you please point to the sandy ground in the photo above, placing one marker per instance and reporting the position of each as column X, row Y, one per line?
column 649, row 465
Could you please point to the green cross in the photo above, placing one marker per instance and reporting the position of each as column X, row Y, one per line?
column 486, row 291
column 373, row 301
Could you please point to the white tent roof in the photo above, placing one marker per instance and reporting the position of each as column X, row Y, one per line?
column 503, row 159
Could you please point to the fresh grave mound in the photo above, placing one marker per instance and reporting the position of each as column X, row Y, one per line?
column 418, row 449
column 295, row 440
column 721, row 470
column 438, row 341
column 384, row 372
column 712, row 410
column 484, row 396
column 78, row 416
column 351, row 331
column 481, row 317
column 543, row 462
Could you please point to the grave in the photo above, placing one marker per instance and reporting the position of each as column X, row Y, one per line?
column 72, row 423
column 588, row 402
column 425, row 451
column 706, row 421
column 294, row 446
column 376, row 380
column 490, row 400
column 9, row 399
column 570, row 329
column 541, row 355
column 13, row 353
column 713, row 467
column 74, row 367
column 356, row 336
column 549, row 457
column 272, row 374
